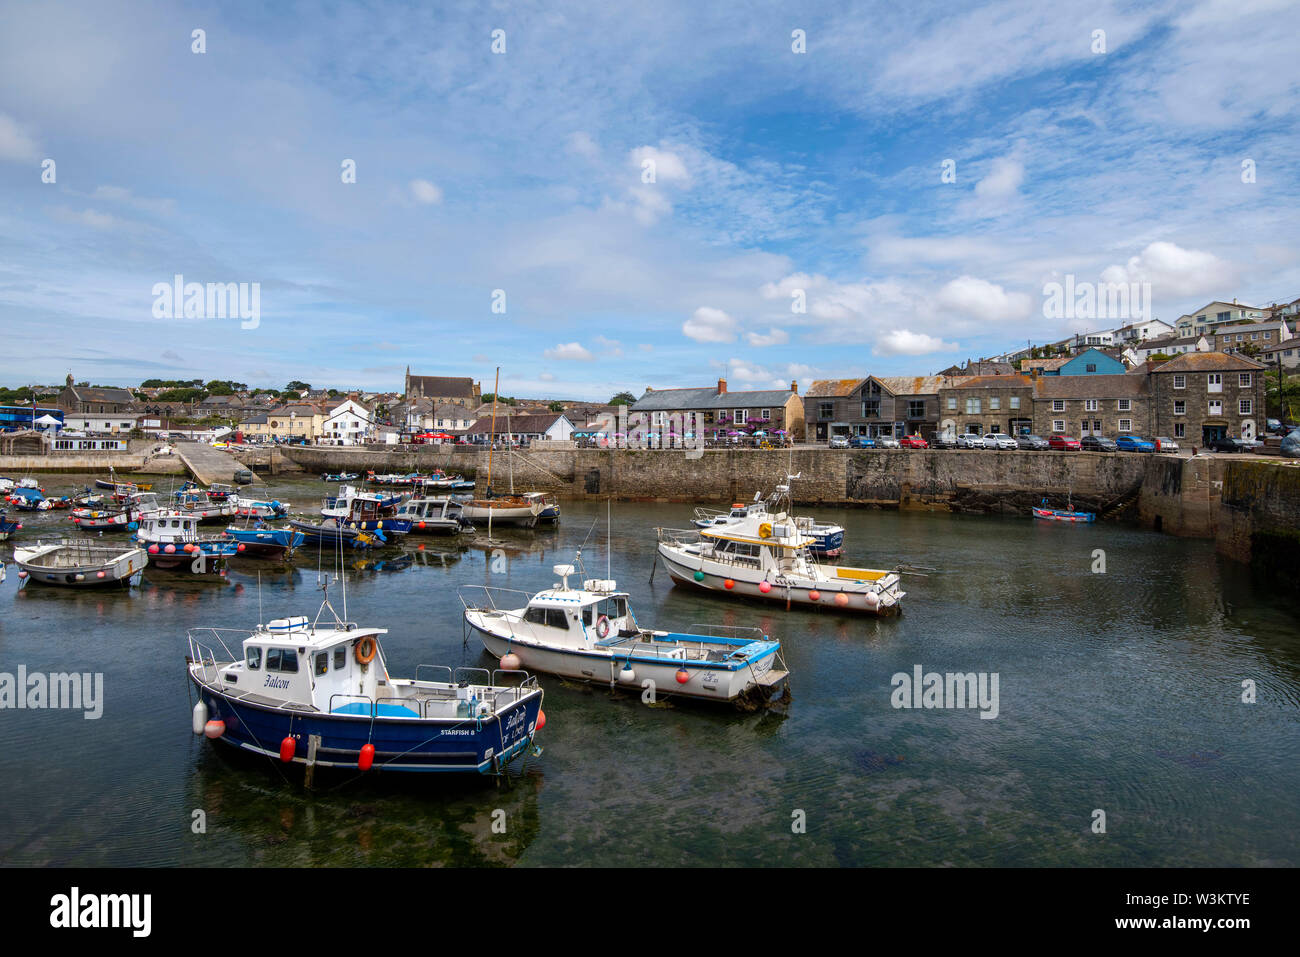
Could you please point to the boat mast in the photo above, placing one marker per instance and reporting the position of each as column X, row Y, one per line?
column 492, row 439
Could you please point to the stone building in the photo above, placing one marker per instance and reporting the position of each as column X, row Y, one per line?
column 443, row 389
column 720, row 411
column 988, row 403
column 1201, row 396
column 875, row 406
column 1110, row 405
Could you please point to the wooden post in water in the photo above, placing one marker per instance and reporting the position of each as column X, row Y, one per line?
column 313, row 742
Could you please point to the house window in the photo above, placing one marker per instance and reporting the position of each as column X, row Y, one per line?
column 1180, row 407
column 1214, row 382
column 1090, row 405
column 1058, row 405
column 916, row 408
column 972, row 406
column 1180, row 382
column 740, row 416
column 1058, row 425
column 1126, row 405
column 1014, row 402
column 1216, row 407
column 1243, row 380
column 767, row 415
column 825, row 410
column 995, row 403
column 952, row 402
column 870, row 408
column 1126, row 425
column 1180, row 430
column 1244, row 406
column 1091, row 367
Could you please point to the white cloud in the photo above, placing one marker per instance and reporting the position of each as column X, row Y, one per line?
column 668, row 166
column 710, row 325
column 903, row 342
column 1003, row 179
column 569, row 351
column 86, row 217
column 425, row 192
column 1174, row 271
column 982, row 300
column 15, row 143
column 582, row 144
column 609, row 347
column 773, row 337
column 546, row 376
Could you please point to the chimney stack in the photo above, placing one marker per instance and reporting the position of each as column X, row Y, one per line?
column 794, row 386
column 722, row 387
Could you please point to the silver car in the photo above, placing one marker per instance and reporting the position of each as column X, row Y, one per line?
column 970, row 440
column 839, row 442
column 1000, row 440
column 887, row 442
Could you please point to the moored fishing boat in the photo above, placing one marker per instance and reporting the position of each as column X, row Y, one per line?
column 80, row 563
column 332, row 531
column 503, row 510
column 591, row 634
column 340, row 476
column 257, row 508
column 197, row 502
column 121, row 518
column 170, row 538
column 320, row 694
column 826, row 538
column 341, row 505
column 765, row 555
column 8, row 527
column 262, row 541
column 1062, row 515
column 433, row 515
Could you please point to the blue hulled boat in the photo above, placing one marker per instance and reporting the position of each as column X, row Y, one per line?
column 261, row 541
column 319, row 694
column 7, row 527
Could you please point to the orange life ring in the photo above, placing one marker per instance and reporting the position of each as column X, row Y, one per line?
column 367, row 656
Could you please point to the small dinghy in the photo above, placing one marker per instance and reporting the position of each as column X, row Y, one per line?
column 7, row 527
column 254, row 508
column 319, row 694
column 118, row 519
column 1067, row 514
column 340, row 476
column 590, row 634
column 330, row 531
column 506, row 510
column 80, row 563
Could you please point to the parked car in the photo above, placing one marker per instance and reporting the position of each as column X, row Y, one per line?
column 888, row 442
column 1226, row 443
column 913, row 442
column 1097, row 443
column 1063, row 442
column 1000, row 440
column 970, row 440
column 945, row 440
column 1165, row 444
column 1275, row 427
column 839, row 441
column 862, row 442
column 1134, row 443
column 1034, row 442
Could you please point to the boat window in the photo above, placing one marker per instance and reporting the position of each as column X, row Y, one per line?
column 322, row 663
column 555, row 618
column 281, row 659
column 340, row 658
column 536, row 615
column 253, row 657
column 586, row 616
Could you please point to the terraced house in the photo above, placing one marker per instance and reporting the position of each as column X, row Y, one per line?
column 1202, row 396
column 721, row 412
column 875, row 406
column 988, row 403
column 1110, row 405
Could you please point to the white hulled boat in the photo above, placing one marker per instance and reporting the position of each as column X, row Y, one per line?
column 766, row 555
column 80, row 563
column 590, row 634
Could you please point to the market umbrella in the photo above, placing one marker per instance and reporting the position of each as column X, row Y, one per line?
column 48, row 420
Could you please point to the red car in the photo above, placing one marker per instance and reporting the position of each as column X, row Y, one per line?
column 1065, row 442
column 913, row 442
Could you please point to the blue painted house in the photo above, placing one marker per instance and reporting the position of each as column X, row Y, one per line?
column 1088, row 362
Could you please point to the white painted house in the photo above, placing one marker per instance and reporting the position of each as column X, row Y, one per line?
column 349, row 424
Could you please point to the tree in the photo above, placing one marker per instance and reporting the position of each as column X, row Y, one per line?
column 556, row 406
column 623, row 398
column 298, row 386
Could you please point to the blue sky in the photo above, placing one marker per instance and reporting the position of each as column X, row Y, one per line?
column 522, row 171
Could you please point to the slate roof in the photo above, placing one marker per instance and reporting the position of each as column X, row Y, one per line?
column 829, row 388
column 668, row 400
column 1118, row 385
column 913, row 384
column 1208, row 362
column 518, row 424
column 88, row 394
column 441, row 386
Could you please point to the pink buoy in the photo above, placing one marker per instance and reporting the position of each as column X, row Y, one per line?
column 170, row 549
column 815, row 595
column 765, row 587
column 99, row 574
column 510, row 661
column 841, row 599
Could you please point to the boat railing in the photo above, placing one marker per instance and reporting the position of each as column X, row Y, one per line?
column 746, row 632
column 678, row 536
column 420, row 668
column 204, row 654
column 493, row 598
column 507, row 695
column 709, row 514
column 466, row 673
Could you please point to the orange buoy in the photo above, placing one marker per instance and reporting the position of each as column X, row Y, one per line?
column 367, row 756
column 729, row 583
column 541, row 719
column 815, row 595
column 841, row 599
column 765, row 587
column 215, row 728
column 287, row 748
column 683, row 676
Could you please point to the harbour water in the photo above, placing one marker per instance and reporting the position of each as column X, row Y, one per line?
column 1119, row 691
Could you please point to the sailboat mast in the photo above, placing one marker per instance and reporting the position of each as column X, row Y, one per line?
column 492, row 438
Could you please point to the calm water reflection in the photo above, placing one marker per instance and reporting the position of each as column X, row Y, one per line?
column 1119, row 691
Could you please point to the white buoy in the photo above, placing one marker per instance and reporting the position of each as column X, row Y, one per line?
column 627, row 674
column 200, row 717
column 510, row 661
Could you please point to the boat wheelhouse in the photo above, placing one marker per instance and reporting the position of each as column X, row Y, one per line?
column 591, row 634
column 433, row 515
column 550, row 506
column 320, row 694
column 825, row 538
column 766, row 556
column 171, row 539
column 80, row 563
column 204, row 508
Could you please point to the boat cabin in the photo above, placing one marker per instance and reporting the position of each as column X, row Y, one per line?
column 168, row 526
